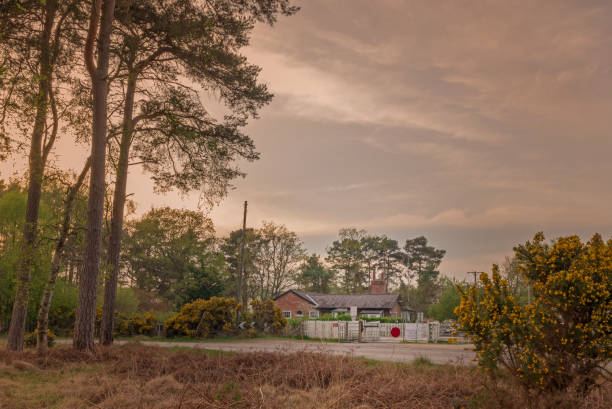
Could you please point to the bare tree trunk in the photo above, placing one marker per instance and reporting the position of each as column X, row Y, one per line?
column 88, row 283
column 36, row 170
column 45, row 302
column 114, row 246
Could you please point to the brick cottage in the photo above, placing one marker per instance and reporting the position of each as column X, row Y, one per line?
column 378, row 303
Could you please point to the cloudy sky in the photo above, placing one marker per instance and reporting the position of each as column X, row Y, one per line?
column 474, row 123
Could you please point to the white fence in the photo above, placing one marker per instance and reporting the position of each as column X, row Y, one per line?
column 421, row 332
column 320, row 329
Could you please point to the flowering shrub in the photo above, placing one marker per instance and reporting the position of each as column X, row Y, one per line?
column 267, row 316
column 204, row 318
column 562, row 339
column 143, row 324
column 30, row 338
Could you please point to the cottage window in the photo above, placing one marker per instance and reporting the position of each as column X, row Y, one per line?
column 313, row 314
column 299, row 314
column 287, row 314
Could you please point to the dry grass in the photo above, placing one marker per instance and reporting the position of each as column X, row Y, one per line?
column 136, row 376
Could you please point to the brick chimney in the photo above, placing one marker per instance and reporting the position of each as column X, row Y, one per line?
column 378, row 286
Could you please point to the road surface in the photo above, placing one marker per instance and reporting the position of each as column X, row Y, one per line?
column 382, row 351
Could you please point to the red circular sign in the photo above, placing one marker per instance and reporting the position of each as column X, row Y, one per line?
column 395, row 332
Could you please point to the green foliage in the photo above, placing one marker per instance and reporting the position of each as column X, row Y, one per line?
column 347, row 317
column 294, row 323
column 331, row 317
column 12, row 216
column 127, row 302
column 204, row 318
column 422, row 260
column 387, row 320
column 267, row 316
column 63, row 307
column 357, row 258
column 202, row 280
column 30, row 339
column 444, row 308
column 422, row 361
column 170, row 252
column 562, row 339
column 230, row 247
column 382, row 257
column 313, row 276
column 345, row 256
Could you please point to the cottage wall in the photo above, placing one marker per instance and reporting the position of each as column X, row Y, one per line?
column 294, row 303
column 396, row 311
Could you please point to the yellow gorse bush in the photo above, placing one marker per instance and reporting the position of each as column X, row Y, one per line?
column 267, row 316
column 562, row 339
column 204, row 318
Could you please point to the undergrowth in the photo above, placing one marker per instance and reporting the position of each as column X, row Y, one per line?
column 136, row 376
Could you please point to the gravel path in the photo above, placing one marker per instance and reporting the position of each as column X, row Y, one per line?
column 381, row 351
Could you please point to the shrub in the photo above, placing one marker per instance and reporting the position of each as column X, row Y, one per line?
column 347, row 317
column 267, row 316
column 30, row 338
column 204, row 318
column 63, row 308
column 294, row 322
column 138, row 324
column 444, row 309
column 562, row 339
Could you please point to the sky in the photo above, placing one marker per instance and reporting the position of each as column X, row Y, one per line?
column 473, row 123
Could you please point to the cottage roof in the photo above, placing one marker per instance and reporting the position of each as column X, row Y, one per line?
column 370, row 301
column 345, row 301
column 332, row 301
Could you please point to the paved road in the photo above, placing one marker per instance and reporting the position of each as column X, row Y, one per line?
column 382, row 351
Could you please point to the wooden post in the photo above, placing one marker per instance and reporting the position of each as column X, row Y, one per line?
column 240, row 277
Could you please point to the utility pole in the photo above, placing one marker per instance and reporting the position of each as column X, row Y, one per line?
column 475, row 274
column 239, row 295
column 475, row 284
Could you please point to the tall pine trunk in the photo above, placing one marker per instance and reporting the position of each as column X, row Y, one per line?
column 84, row 325
column 36, row 171
column 114, row 246
column 45, row 301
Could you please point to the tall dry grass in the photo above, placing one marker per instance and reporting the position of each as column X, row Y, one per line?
column 150, row 377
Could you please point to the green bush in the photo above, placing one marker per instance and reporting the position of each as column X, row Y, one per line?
column 63, row 308
column 30, row 339
column 444, row 309
column 294, row 322
column 338, row 317
column 347, row 317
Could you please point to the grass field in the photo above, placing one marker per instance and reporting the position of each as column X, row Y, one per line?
column 135, row 376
